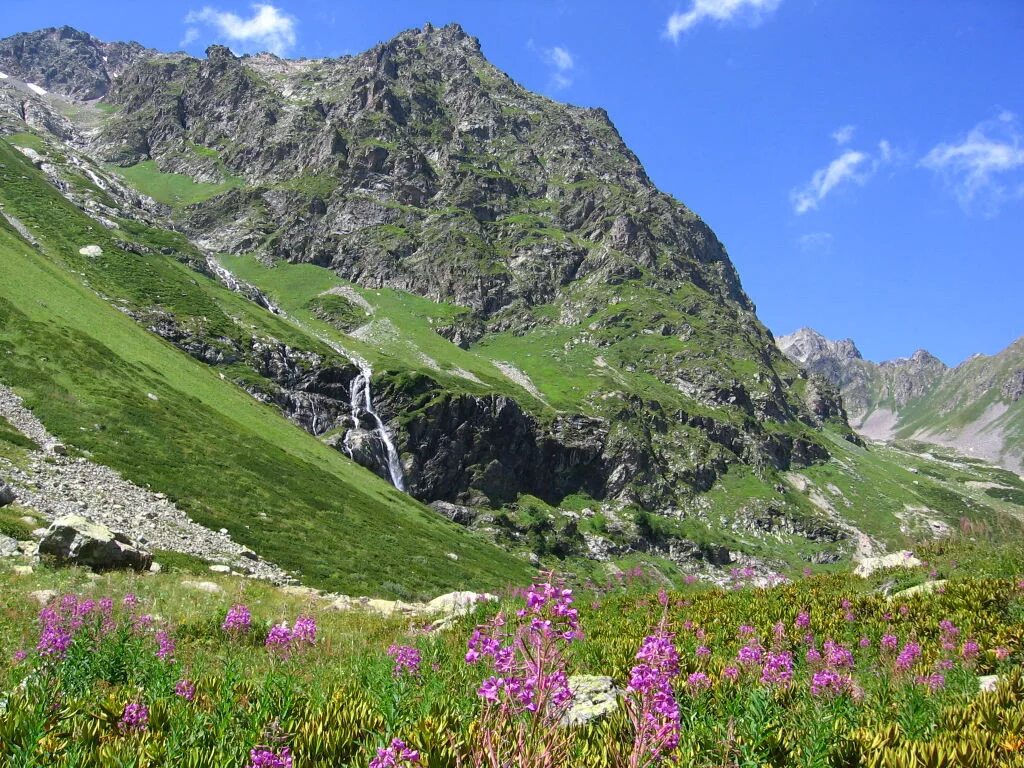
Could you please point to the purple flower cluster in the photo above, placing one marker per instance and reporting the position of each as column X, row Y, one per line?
column 837, row 655
column 650, row 700
column 165, row 646
column 265, row 757
column 777, row 669
column 828, row 682
column 908, row 656
column 407, row 660
column 237, row 621
column 185, row 689
column 530, row 672
column 285, row 640
column 395, row 755
column 135, row 718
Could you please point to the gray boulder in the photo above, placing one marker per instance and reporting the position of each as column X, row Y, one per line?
column 74, row 539
column 594, row 696
column 8, row 546
column 7, row 495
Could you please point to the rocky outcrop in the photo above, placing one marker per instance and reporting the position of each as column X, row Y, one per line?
column 75, row 540
column 593, row 697
column 67, row 61
column 7, row 495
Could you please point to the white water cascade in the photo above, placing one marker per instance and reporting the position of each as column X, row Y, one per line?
column 362, row 402
column 360, row 399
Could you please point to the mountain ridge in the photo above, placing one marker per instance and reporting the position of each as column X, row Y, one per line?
column 971, row 406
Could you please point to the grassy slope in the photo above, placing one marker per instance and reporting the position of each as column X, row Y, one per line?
column 173, row 189
column 86, row 370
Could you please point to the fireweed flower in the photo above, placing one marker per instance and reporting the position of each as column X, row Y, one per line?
column 730, row 673
column 279, row 638
column 838, row 655
column 237, row 621
column 394, row 756
column 828, row 682
column 936, row 681
column 778, row 669
column 698, row 681
column 650, row 701
column 134, row 718
column 908, row 656
column 407, row 660
column 970, row 650
column 1002, row 653
column 304, row 630
column 165, row 646
column 703, row 651
column 129, row 601
column 749, row 655
column 889, row 642
column 803, row 620
column 265, row 757
column 185, row 689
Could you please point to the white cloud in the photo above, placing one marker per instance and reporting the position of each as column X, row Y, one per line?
column 561, row 64
column 267, row 29
column 190, row 36
column 844, row 135
column 851, row 167
column 816, row 242
column 716, row 10
column 985, row 168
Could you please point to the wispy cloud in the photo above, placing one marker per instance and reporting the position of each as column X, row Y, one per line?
column 985, row 169
column 844, row 134
column 717, row 10
column 850, row 167
column 816, row 242
column 268, row 29
column 560, row 63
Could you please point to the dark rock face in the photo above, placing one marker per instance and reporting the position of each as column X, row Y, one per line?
column 7, row 495
column 67, row 61
column 1013, row 388
column 487, row 450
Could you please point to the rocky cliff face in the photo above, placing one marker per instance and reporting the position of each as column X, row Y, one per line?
column 419, row 167
column 972, row 407
column 67, row 61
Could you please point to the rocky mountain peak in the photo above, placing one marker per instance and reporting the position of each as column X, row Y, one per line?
column 67, row 61
column 806, row 345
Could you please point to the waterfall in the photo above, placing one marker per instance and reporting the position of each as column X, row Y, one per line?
column 360, row 398
column 362, row 402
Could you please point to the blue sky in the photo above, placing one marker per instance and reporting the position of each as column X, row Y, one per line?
column 862, row 160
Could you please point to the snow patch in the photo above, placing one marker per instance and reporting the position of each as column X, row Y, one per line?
column 3, row 76
column 36, row 89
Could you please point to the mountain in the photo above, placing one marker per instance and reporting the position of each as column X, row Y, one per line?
column 973, row 407
column 472, row 291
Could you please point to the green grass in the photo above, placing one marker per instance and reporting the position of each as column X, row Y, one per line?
column 221, row 455
column 173, row 189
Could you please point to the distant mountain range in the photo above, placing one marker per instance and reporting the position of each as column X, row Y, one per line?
column 976, row 407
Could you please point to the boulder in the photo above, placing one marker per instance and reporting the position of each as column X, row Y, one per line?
column 74, row 539
column 203, row 586
column 594, row 696
column 43, row 596
column 921, row 589
column 220, row 568
column 987, row 683
column 7, row 495
column 8, row 546
column 92, row 251
column 456, row 604
column 869, row 565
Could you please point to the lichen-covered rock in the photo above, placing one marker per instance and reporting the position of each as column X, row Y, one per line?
column 594, row 696
column 869, row 565
column 74, row 539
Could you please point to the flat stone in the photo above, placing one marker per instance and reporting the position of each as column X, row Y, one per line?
column 594, row 696
column 869, row 565
column 223, row 569
column 43, row 596
column 203, row 586
column 22, row 570
column 987, row 683
column 920, row 589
